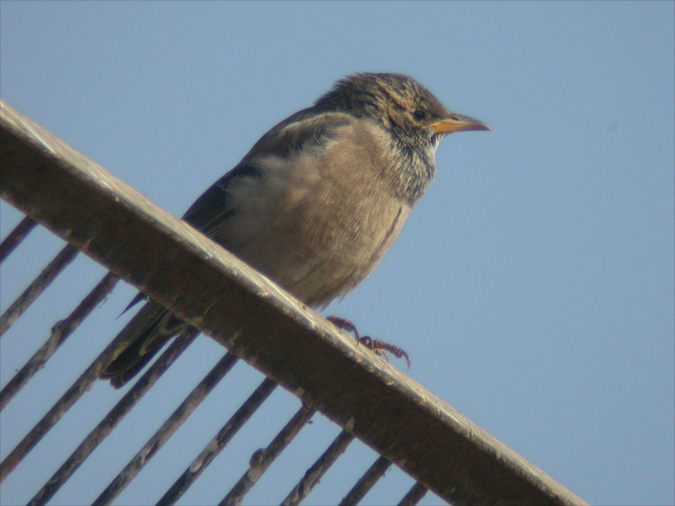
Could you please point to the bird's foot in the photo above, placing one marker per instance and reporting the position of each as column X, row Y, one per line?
column 375, row 345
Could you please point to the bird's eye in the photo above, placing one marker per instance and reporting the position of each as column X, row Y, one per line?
column 419, row 115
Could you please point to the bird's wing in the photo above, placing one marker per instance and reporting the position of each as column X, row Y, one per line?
column 304, row 130
column 212, row 207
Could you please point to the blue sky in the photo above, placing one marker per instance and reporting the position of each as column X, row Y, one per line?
column 532, row 287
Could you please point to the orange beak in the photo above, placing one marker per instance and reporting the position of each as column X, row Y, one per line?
column 458, row 123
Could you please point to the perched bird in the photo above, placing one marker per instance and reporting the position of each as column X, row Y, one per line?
column 320, row 198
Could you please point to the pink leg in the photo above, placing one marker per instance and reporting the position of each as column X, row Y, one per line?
column 378, row 347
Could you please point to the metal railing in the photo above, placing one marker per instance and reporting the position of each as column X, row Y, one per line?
column 252, row 318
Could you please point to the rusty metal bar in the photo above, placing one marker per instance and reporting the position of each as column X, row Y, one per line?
column 414, row 495
column 261, row 460
column 155, row 443
column 366, row 482
column 105, row 427
column 60, row 332
column 318, row 469
column 14, row 238
column 39, row 285
column 77, row 389
column 216, row 445
column 214, row 291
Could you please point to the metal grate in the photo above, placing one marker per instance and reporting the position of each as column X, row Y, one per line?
column 259, row 462
column 253, row 319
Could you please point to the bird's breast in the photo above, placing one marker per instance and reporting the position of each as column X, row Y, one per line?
column 319, row 222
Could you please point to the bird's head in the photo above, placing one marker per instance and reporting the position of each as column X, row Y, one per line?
column 414, row 116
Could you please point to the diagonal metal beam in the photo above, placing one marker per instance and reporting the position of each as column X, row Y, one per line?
column 366, row 482
column 15, row 237
column 36, row 287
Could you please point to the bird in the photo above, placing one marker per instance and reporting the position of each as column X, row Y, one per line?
column 319, row 198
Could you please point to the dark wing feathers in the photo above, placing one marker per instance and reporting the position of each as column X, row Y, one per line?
column 212, row 208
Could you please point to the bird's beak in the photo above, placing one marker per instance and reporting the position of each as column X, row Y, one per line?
column 458, row 123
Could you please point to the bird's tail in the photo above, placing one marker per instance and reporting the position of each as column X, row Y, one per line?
column 153, row 327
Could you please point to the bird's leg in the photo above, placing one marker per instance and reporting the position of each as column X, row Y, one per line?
column 375, row 345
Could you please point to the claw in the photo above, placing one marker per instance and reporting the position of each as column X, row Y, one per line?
column 380, row 348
